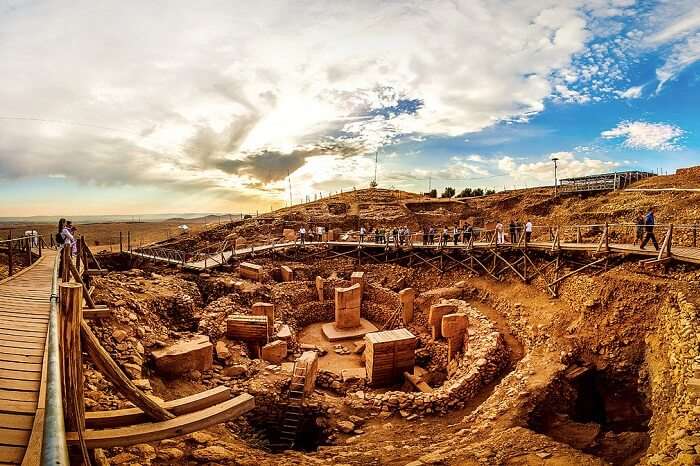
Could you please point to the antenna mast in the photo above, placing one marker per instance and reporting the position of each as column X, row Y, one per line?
column 289, row 178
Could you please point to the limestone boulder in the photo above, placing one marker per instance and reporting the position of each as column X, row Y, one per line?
column 196, row 354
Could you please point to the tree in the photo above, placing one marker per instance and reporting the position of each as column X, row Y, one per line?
column 433, row 193
column 449, row 192
column 490, row 191
column 466, row 192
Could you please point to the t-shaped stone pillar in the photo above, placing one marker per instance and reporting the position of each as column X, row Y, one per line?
column 407, row 296
column 347, row 306
column 319, row 288
column 358, row 278
column 454, row 328
column 287, row 273
column 437, row 312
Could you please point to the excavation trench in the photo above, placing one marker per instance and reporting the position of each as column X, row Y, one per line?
column 597, row 412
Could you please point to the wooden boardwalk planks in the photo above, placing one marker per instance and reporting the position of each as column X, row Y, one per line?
column 24, row 315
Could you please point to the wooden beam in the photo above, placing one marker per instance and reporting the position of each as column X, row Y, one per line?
column 76, row 276
column 154, row 431
column 100, row 312
column 114, row 374
column 186, row 405
column 577, row 271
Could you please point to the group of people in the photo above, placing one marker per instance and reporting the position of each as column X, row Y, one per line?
column 66, row 235
column 645, row 230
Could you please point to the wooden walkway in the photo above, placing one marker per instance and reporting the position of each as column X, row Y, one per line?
column 24, row 316
column 679, row 253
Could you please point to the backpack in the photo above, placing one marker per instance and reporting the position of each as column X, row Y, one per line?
column 59, row 238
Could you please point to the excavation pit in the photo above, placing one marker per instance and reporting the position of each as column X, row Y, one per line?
column 599, row 414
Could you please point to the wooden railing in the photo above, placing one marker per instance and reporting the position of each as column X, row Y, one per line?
column 21, row 251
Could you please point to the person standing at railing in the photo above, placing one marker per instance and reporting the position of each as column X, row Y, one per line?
column 649, row 222
column 363, row 232
column 500, row 235
column 431, row 235
column 65, row 234
column 513, row 227
column 467, row 235
column 302, row 235
column 455, row 235
column 528, row 231
column 639, row 228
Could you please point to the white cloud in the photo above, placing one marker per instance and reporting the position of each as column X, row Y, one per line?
column 674, row 28
column 634, row 92
column 542, row 171
column 205, row 97
column 644, row 135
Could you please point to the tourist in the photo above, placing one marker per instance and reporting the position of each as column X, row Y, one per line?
column 528, row 231
column 409, row 240
column 468, row 231
column 395, row 234
column 513, row 231
column 649, row 223
column 362, row 234
column 66, row 231
column 455, row 235
column 425, row 235
column 302, row 235
column 639, row 228
column 444, row 237
column 500, row 237
column 431, row 235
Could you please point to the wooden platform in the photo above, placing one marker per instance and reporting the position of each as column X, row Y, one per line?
column 24, row 316
column 679, row 253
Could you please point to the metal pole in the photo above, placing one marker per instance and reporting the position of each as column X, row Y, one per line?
column 54, row 450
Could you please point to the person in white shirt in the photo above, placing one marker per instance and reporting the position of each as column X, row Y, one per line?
column 528, row 231
column 500, row 236
column 302, row 235
column 362, row 234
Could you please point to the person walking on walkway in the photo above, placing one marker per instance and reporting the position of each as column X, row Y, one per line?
column 528, row 231
column 513, row 231
column 455, row 235
column 500, row 236
column 649, row 222
column 639, row 228
column 467, row 233
column 363, row 232
column 431, row 235
column 425, row 235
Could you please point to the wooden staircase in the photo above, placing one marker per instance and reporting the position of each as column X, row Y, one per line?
column 294, row 412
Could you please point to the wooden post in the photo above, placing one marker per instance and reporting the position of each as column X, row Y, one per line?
column 128, row 241
column 71, row 298
column 579, row 238
column 114, row 374
column 84, row 253
column 10, row 262
column 79, row 254
column 695, row 236
column 76, row 276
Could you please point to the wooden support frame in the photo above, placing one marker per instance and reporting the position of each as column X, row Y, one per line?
column 154, row 431
column 565, row 276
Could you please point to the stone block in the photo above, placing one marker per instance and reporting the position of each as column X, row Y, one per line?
column 454, row 324
column 265, row 309
column 347, row 306
column 287, row 273
column 289, row 235
column 247, row 328
column 319, row 288
column 437, row 312
column 250, row 271
column 358, row 278
column 407, row 296
column 185, row 356
column 310, row 358
column 359, row 373
column 274, row 352
column 240, row 243
column 284, row 332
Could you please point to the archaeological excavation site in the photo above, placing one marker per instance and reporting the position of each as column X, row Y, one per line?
column 368, row 342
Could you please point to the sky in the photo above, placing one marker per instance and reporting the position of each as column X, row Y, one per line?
column 218, row 106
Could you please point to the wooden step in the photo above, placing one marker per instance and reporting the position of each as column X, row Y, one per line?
column 153, row 431
column 186, row 405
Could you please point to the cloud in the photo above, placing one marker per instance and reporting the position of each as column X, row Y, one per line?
column 674, row 28
column 542, row 171
column 634, row 92
column 644, row 135
column 230, row 96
